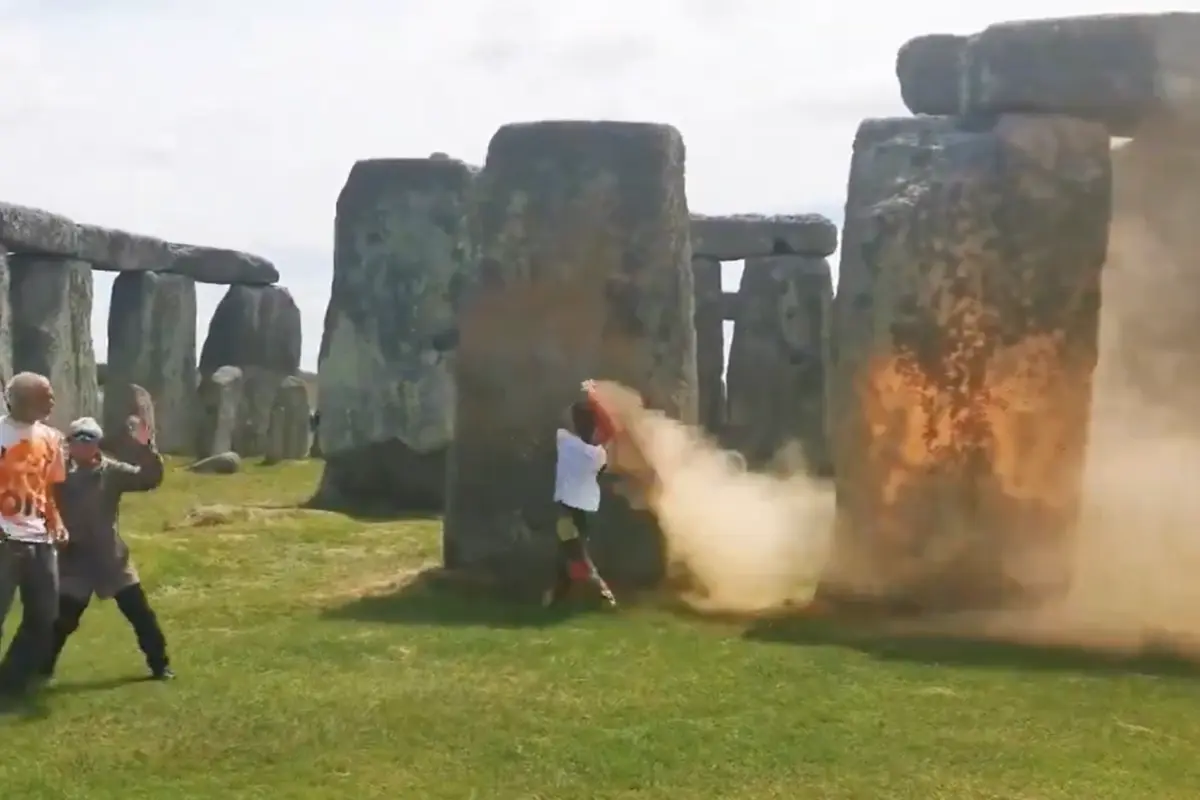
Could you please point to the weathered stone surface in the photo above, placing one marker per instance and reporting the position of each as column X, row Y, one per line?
column 32, row 231
column 928, row 70
column 729, row 306
column 255, row 326
column 1150, row 364
column 121, row 251
column 152, row 343
column 287, row 429
column 1119, row 69
column 386, row 386
column 51, row 300
column 710, row 343
column 584, row 273
column 965, row 335
column 227, row 463
column 257, row 329
column 6, row 340
column 776, row 380
column 218, row 265
column 221, row 405
column 749, row 235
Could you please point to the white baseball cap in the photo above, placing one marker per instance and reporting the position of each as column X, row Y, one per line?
column 85, row 429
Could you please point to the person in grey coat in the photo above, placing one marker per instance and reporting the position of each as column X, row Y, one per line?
column 96, row 561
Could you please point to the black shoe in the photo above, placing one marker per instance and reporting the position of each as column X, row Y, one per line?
column 162, row 674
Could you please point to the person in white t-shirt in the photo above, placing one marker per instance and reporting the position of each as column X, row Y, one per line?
column 32, row 462
column 577, row 468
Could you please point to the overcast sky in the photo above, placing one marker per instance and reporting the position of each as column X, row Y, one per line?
column 235, row 123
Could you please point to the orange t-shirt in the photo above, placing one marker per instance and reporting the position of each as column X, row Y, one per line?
column 31, row 462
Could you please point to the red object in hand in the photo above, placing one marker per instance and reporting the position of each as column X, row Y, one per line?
column 606, row 426
column 579, row 570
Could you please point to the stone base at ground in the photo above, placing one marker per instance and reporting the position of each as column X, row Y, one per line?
column 383, row 477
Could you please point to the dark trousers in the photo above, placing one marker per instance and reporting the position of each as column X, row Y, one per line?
column 574, row 563
column 30, row 570
column 134, row 604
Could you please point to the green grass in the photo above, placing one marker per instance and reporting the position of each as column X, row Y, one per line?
column 303, row 676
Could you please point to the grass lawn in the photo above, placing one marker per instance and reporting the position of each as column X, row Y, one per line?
column 302, row 675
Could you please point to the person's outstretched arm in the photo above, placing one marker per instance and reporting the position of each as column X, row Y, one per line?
column 146, row 473
column 606, row 426
column 143, row 476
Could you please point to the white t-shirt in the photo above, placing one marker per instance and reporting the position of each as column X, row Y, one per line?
column 31, row 462
column 575, row 472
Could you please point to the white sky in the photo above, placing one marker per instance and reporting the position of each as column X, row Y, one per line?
column 235, row 123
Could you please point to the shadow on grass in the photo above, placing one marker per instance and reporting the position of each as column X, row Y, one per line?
column 98, row 685
column 440, row 598
column 965, row 651
column 32, row 705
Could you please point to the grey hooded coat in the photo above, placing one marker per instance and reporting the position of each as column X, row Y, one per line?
column 96, row 559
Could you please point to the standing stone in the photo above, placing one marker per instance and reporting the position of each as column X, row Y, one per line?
column 965, row 335
column 222, row 401
column 256, row 329
column 1150, row 362
column 51, row 301
column 6, row 342
column 152, row 343
column 777, row 361
column 386, row 386
column 710, row 343
column 287, row 433
column 585, row 272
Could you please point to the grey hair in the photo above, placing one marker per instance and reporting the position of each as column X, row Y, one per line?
column 17, row 390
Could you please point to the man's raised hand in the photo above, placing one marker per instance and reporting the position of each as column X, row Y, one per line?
column 140, row 430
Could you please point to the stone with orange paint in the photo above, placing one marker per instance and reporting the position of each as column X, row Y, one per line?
column 964, row 338
column 584, row 272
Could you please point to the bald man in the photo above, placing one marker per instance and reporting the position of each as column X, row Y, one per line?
column 32, row 462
